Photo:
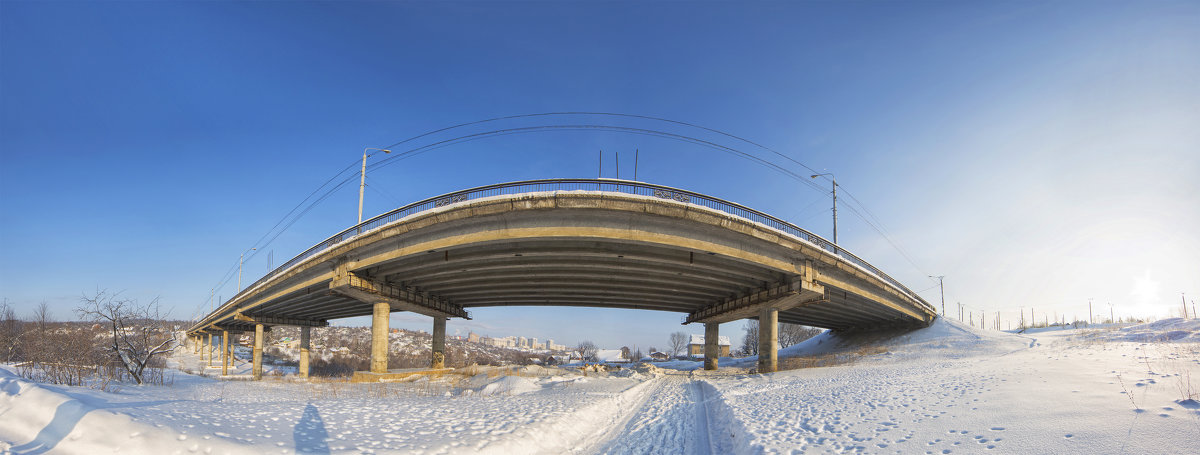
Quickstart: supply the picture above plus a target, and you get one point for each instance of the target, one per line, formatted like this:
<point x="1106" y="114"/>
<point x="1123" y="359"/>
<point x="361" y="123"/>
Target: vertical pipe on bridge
<point x="438" y="359"/>
<point x="258" y="348"/>
<point x="712" y="349"/>
<point x="304" y="341"/>
<point x="224" y="353"/>
<point x="379" y="337"/>
<point x="768" y="340"/>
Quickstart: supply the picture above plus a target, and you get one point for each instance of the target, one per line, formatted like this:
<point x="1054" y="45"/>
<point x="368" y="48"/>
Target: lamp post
<point x="943" y="291"/>
<point x="241" y="259"/>
<point x="834" y="180"/>
<point x="362" y="183"/>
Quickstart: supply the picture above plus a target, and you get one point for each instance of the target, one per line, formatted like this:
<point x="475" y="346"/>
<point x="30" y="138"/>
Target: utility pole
<point x="1089" y="311"/>
<point x="942" y="289"/>
<point x="1184" y="299"/>
<point x="1112" y="319"/>
<point x="362" y="183"/>
<point x="834" y="180"/>
<point x="635" y="162"/>
<point x="242" y="258"/>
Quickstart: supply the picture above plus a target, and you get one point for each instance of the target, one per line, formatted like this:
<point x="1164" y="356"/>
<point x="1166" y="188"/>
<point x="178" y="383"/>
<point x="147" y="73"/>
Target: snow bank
<point x="36" y="419"/>
<point x="509" y="385"/>
<point x="1176" y="330"/>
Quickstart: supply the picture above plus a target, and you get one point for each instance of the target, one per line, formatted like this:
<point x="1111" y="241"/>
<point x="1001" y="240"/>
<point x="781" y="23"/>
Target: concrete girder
<point x="280" y="320"/>
<point x="598" y="286"/>
<point x="515" y="264"/>
<point x="889" y="297"/>
<point x="781" y="297"/>
<point x="535" y="290"/>
<point x="587" y="301"/>
<point x="566" y="274"/>
<point x="650" y="256"/>
<point x="351" y="285"/>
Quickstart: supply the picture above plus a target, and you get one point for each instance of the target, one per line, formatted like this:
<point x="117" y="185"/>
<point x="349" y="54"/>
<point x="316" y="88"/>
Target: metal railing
<point x="601" y="185"/>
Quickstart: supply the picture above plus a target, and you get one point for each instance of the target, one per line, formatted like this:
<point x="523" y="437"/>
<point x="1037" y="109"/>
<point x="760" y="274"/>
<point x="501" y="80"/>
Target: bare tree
<point x="138" y="332"/>
<point x="10" y="332"/>
<point x="790" y="334"/>
<point x="678" y="342"/>
<point x="587" y="350"/>
<point x="41" y="316"/>
<point x="626" y="353"/>
<point x="750" y="340"/>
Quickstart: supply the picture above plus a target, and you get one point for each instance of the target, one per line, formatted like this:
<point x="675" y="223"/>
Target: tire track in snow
<point x="678" y="417"/>
<point x="703" y="420"/>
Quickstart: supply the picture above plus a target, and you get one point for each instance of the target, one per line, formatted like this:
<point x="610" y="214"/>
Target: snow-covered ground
<point x="944" y="389"/>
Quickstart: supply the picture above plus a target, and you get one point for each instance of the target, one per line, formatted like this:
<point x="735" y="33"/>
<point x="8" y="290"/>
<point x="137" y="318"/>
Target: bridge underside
<point x="574" y="249"/>
<point x="577" y="272"/>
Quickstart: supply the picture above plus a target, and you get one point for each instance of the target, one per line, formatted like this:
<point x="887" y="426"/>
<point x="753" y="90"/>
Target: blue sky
<point x="1038" y="155"/>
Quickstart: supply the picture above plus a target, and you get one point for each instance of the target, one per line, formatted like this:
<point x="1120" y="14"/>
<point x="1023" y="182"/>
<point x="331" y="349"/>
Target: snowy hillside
<point x="945" y="389"/>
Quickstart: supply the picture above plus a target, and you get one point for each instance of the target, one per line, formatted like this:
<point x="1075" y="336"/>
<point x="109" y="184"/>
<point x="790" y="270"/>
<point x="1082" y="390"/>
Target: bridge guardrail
<point x="602" y="185"/>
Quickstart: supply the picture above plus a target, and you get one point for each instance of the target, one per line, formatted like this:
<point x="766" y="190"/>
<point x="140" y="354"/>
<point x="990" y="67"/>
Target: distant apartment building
<point x="696" y="346"/>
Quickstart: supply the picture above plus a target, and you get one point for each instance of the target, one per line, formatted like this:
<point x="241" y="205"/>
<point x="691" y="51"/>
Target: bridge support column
<point x="209" y="350"/>
<point x="768" y="340"/>
<point x="196" y="344"/>
<point x="304" y="337"/>
<point x="439" y="344"/>
<point x="224" y="353"/>
<point x="379" y="337"/>
<point x="256" y="369"/>
<point x="712" y="349"/>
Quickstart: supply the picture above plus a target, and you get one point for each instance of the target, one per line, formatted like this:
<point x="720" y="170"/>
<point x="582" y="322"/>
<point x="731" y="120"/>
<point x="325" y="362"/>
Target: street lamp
<point x="834" y="179"/>
<point x="241" y="259"/>
<point x="362" y="184"/>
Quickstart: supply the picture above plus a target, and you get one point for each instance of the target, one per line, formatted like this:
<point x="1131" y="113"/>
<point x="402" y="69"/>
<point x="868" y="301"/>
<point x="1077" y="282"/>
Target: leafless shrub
<point x="139" y="335"/>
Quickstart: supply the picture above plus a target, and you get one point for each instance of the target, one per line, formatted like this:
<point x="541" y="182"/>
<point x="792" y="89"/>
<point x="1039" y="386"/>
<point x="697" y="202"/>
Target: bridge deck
<point x="667" y="250"/>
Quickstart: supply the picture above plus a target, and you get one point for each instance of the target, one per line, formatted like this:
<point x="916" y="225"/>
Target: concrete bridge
<point x="570" y="242"/>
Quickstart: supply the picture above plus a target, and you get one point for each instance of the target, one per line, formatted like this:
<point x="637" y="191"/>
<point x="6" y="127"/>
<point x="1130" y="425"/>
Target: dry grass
<point x="828" y="360"/>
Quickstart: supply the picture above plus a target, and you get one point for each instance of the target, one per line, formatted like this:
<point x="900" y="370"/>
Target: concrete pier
<point x="711" y="349"/>
<point x="439" y="344"/>
<point x="224" y="353"/>
<point x="208" y="352"/>
<point x="304" y="344"/>
<point x="768" y="340"/>
<point x="258" y="349"/>
<point x="379" y="337"/>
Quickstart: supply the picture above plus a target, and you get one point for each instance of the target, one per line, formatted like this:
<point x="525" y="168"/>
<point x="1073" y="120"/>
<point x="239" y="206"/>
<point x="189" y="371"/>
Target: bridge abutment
<point x="438" y="360"/>
<point x="304" y="344"/>
<point x="712" y="348"/>
<point x="256" y="369"/>
<point x="379" y="337"/>
<point x="768" y="340"/>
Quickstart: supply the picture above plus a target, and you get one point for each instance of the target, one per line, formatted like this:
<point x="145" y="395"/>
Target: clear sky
<point x="1036" y="154"/>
